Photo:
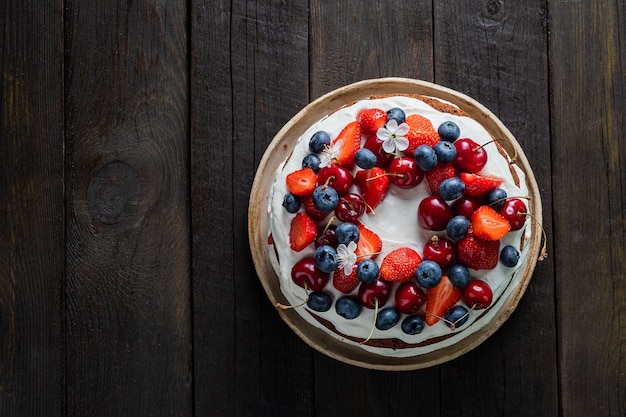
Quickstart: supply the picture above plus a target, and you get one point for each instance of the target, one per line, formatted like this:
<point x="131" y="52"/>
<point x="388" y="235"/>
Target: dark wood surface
<point x="130" y="132"/>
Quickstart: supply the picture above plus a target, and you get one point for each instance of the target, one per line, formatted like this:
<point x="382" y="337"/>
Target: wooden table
<point x="130" y="132"/>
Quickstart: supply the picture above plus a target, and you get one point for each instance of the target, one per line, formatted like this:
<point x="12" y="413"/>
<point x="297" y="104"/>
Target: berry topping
<point x="325" y="198"/>
<point x="476" y="185"/>
<point x="319" y="141"/>
<point x="365" y="158"/>
<point x="347" y="232"/>
<point x="457" y="227"/>
<point x="367" y="271"/>
<point x="409" y="297"/>
<point x="400" y="264"/>
<point x="456" y="317"/>
<point x="445" y="151"/>
<point x="311" y="161"/>
<point x="348" y="308"/>
<point x="369" y="244"/>
<point x="336" y="176"/>
<point x="405" y="173"/>
<point x="373" y="185"/>
<point x="413" y="325"/>
<point x="440" y="250"/>
<point x="375" y="293"/>
<point x="302" y="233"/>
<point x="451" y="188"/>
<point x="350" y="208"/>
<point x="302" y="182"/>
<point x="370" y="120"/>
<point x="387" y="318"/>
<point x="495" y="198"/>
<point x="425" y="157"/>
<point x="375" y="144"/>
<point x="326" y="258"/>
<point x="478" y="253"/>
<point x="515" y="211"/>
<point x="291" y="203"/>
<point x="396" y="114"/>
<point x="478" y="294"/>
<point x="305" y="274"/>
<point x="439" y="174"/>
<point x="509" y="256"/>
<point x="465" y="206"/>
<point x="428" y="274"/>
<point x="470" y="157"/>
<point x="319" y="301"/>
<point x="440" y="299"/>
<point x="345" y="283"/>
<point x="488" y="224"/>
<point x="350" y="138"/>
<point x="459" y="275"/>
<point x="433" y="213"/>
<point x="449" y="131"/>
<point x="421" y="132"/>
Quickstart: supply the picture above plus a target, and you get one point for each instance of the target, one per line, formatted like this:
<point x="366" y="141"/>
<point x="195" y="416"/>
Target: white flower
<point x="392" y="136"/>
<point x="329" y="153"/>
<point x="346" y="257"/>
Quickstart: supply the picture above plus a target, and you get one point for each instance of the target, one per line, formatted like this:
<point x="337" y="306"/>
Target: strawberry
<point x="302" y="182"/>
<point x="351" y="142"/>
<point x="477" y="253"/>
<point x="371" y="120"/>
<point x="302" y="233"/>
<point x="400" y="264"/>
<point x="345" y="283"/>
<point x="437" y="175"/>
<point x="369" y="243"/>
<point x="373" y="184"/>
<point x="270" y="239"/>
<point x="488" y="224"/>
<point x="421" y="132"/>
<point x="311" y="210"/>
<point x="476" y="185"/>
<point x="440" y="299"/>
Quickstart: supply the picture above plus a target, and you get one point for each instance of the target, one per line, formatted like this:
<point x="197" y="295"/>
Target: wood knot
<point x="494" y="10"/>
<point x="113" y="192"/>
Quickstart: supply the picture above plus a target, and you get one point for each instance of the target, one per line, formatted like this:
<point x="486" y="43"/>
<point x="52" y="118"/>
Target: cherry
<point x="376" y="292"/>
<point x="409" y="297"/>
<point x="465" y="206"/>
<point x="350" y="208"/>
<point x="336" y="176"/>
<point x="305" y="274"/>
<point x="433" y="213"/>
<point x="515" y="211"/>
<point x="470" y="157"/>
<point x="440" y="250"/>
<point x="326" y="237"/>
<point x="405" y="173"/>
<point x="478" y="294"/>
<point x="374" y="144"/>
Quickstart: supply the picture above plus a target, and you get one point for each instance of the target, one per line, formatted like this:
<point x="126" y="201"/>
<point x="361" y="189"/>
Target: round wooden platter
<point x="280" y="148"/>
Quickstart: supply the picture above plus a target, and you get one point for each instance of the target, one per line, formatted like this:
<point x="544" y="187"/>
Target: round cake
<point x="394" y="223"/>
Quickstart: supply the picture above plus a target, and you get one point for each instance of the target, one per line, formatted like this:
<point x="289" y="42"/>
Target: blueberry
<point x="451" y="188"/>
<point x="325" y="258"/>
<point x="456" y="316"/>
<point x="291" y="203"/>
<point x="457" y="227"/>
<point x="459" y="275"/>
<point x="318" y="141"/>
<point x="367" y="271"/>
<point x="413" y="325"/>
<point x="387" y="318"/>
<point x="449" y="131"/>
<point x="348" y="308"/>
<point x="325" y="198"/>
<point x="347" y="232"/>
<point x="445" y="151"/>
<point x="396" y="114"/>
<point x="509" y="256"/>
<point x="428" y="274"/>
<point x="311" y="161"/>
<point x="365" y="159"/>
<point x="319" y="301"/>
<point x="497" y="194"/>
<point x="425" y="157"/>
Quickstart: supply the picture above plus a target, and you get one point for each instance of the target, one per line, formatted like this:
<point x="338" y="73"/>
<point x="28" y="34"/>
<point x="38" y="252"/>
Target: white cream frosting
<point x="396" y="224"/>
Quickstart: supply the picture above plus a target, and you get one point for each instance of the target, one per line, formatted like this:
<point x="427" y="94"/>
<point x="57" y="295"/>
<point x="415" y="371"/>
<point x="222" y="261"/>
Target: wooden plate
<point x="281" y="146"/>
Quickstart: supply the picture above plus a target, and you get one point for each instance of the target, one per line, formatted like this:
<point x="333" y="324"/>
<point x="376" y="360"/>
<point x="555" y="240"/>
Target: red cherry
<point x="470" y="157"/>
<point x="375" y="290"/>
<point x="336" y="176"/>
<point x="326" y="237"/>
<point x="433" y="213"/>
<point x="350" y="208"/>
<point x="409" y="297"/>
<point x="465" y="206"/>
<point x="515" y="211"/>
<point x="405" y="173"/>
<point x="440" y="250"/>
<point x="376" y="145"/>
<point x="478" y="294"/>
<point x="305" y="271"/>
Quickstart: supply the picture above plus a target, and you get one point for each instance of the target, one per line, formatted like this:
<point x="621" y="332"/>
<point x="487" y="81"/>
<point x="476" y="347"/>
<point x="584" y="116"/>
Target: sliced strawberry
<point x="437" y="175"/>
<point x="477" y="253"/>
<point x="371" y="120"/>
<point x="440" y="299"/>
<point x="311" y="210"/>
<point x="476" y="185"/>
<point x="373" y="184"/>
<point x="488" y="224"/>
<point x="270" y="239"/>
<point x="345" y="283"/>
<point x="301" y="182"/>
<point x="351" y="142"/>
<point x="421" y="132"/>
<point x="400" y="264"/>
<point x="302" y="233"/>
<point x="369" y="244"/>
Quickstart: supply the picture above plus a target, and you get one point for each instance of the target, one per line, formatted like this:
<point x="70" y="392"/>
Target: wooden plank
<point x="31" y="209"/>
<point x="496" y="52"/>
<point x="128" y="280"/>
<point x="589" y="92"/>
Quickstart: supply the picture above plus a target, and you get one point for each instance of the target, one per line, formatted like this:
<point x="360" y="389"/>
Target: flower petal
<point x="383" y="133"/>
<point x="403" y="129"/>
<point x="392" y="125"/>
<point x="389" y="146"/>
<point x="402" y="143"/>
<point x="347" y="269"/>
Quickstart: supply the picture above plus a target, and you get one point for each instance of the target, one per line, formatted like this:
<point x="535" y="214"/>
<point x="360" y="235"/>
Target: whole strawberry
<point x="477" y="253"/>
<point x="345" y="283"/>
<point x="400" y="264"/>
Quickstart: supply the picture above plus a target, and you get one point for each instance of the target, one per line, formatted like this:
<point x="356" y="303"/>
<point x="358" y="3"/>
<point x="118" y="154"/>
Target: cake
<point x="399" y="225"/>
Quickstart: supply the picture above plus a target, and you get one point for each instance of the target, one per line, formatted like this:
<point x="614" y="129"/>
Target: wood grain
<point x="31" y="210"/>
<point x="128" y="286"/>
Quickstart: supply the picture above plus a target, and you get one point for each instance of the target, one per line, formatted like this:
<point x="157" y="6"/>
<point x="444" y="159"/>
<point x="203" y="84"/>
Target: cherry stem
<point x="386" y="174"/>
<point x="512" y="161"/>
<point x="328" y="180"/>
<point x="435" y="240"/>
<point x="368" y="254"/>
<point x="543" y="253"/>
<point x="330" y="221"/>
<point x="287" y="307"/>
<point x="527" y="197"/>
<point x="373" y="324"/>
